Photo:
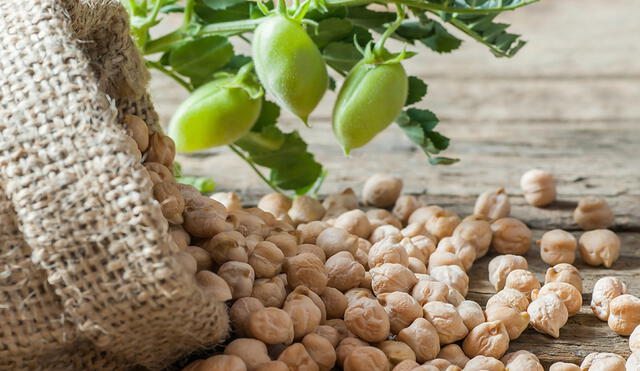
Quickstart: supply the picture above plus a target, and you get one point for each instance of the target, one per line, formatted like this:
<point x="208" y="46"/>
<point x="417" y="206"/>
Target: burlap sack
<point x="88" y="275"/>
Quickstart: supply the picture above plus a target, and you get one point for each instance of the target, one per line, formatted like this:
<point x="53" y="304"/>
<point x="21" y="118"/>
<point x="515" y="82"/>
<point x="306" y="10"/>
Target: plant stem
<point x="422" y="4"/>
<point x="188" y="11"/>
<point x="253" y="166"/>
<point x="158" y="66"/>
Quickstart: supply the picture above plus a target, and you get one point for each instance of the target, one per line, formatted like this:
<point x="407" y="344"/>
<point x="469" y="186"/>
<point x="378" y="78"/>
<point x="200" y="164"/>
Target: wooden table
<point x="568" y="103"/>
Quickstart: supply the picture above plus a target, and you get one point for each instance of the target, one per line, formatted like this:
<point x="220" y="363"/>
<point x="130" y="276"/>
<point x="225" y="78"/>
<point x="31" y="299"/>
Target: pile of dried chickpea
<point x="319" y="286"/>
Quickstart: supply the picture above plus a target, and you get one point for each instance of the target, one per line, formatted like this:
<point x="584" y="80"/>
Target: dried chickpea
<point x="422" y="337"/>
<point x="634" y="340"/>
<point x="251" y="241"/>
<point x="329" y="333"/>
<point x="366" y="358"/>
<point x="266" y="259"/>
<point x="510" y="298"/>
<point x="401" y="308"/>
<point x="187" y="262"/>
<point x="439" y="364"/>
<point x="309" y="232"/>
<point x="514" y="321"/>
<point x="271" y="326"/>
<point x="396" y="351"/>
<point x="624" y="314"/>
<point x="447" y="321"/>
<point x="347" y="346"/>
<point x="381" y="190"/>
<point x="137" y="129"/>
<point x="502" y="265"/>
<point x="214" y="285"/>
<point x="179" y="236"/>
<point x="390" y="277"/>
<point x="633" y="362"/>
<point x="247" y="223"/>
<point x="227" y="246"/>
<point x="384" y="231"/>
<point x="454" y="354"/>
<point x="493" y="204"/>
<point x="344" y="272"/>
<point x="453" y="276"/>
<point x="205" y="220"/>
<point x="404" y="207"/>
<point x="171" y="201"/>
<point x="285" y="242"/>
<point x="482" y="363"/>
<point x="307" y="248"/>
<point x="320" y="350"/>
<point x="240" y="312"/>
<point x="160" y="173"/>
<point x="416" y="229"/>
<point x="564" y="273"/>
<point x="603" y="362"/>
<point x="558" y="246"/>
<point x="354" y="222"/>
<point x="367" y="319"/>
<point x="340" y="326"/>
<point x="297" y="358"/>
<point x="441" y="258"/>
<point x="345" y="200"/>
<point x="563" y="366"/>
<point x="464" y="250"/>
<point x="367" y="281"/>
<point x="306" y="270"/>
<point x="230" y="200"/>
<point x="423" y="214"/>
<point x="253" y="352"/>
<point x="239" y="276"/>
<point x="489" y="339"/>
<point x="389" y="250"/>
<point x="522" y="360"/>
<point x="569" y="295"/>
<point x="523" y="281"/>
<point x="548" y="314"/>
<point x="304" y="314"/>
<point x="218" y="363"/>
<point x="270" y="291"/>
<point x="315" y="298"/>
<point x="593" y="213"/>
<point x="476" y="232"/>
<point x="599" y="247"/>
<point x="471" y="313"/>
<point x="202" y="258"/>
<point x="419" y="247"/>
<point x="417" y="266"/>
<point x="273" y="366"/>
<point x="305" y="209"/>
<point x="605" y="290"/>
<point x="380" y="217"/>
<point x="454" y="297"/>
<point x="406" y="365"/>
<point x="428" y="290"/>
<point x="538" y="187"/>
<point x="335" y="302"/>
<point x="161" y="149"/>
<point x="442" y="223"/>
<point x="358" y="293"/>
<point x="275" y="203"/>
<point x="333" y="240"/>
<point x="510" y="236"/>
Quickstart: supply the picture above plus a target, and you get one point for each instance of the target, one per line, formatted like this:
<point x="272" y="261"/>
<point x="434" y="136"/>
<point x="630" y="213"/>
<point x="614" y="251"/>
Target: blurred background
<point x="568" y="102"/>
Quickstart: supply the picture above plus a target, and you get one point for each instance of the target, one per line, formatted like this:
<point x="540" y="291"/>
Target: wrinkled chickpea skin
<point x="401" y="308"/>
<point x="593" y="213"/>
<point x="442" y="223"/>
<point x="599" y="247"/>
<point x="564" y="273"/>
<point x="569" y="295"/>
<point x="366" y="358"/>
<point x="510" y="236"/>
<point x="407" y="365"/>
<point x="347" y="346"/>
<point x="422" y="337"/>
<point x="381" y="190"/>
<point x="477" y="232"/>
<point x="333" y="240"/>
<point x="454" y="354"/>
<point x="471" y="313"/>
<point x="404" y="207"/>
<point x="271" y="326"/>
<point x="482" y="363"/>
<point x="548" y="314"/>
<point x="305" y="209"/>
<point x="396" y="351"/>
<point x="368" y="320"/>
<point x="493" y="204"/>
<point x="447" y="321"/>
<point x="523" y="281"/>
<point x="624" y="314"/>
<point x="501" y="266"/>
<point x="354" y="222"/>
<point x="390" y="277"/>
<point x="320" y="350"/>
<point x="489" y="339"/>
<point x="509" y="298"/>
<point x="603" y="362"/>
<point x="253" y="352"/>
<point x="389" y="250"/>
<point x="218" y="363"/>
<point x="522" y="360"/>
<point x="605" y="290"/>
<point x="297" y="358"/>
<point x="453" y="276"/>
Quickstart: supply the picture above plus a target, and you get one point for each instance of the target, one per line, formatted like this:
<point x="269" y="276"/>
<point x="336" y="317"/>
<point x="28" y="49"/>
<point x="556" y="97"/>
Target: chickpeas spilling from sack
<point x="315" y="286"/>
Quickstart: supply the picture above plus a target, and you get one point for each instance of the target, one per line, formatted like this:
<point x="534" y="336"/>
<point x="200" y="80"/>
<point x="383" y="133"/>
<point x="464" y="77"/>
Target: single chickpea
<point x="343" y="200"/>
<point x="273" y="366"/>
<point x="297" y="358"/>
<point x="159" y="173"/>
<point x="404" y="207"/>
<point x="366" y="358"/>
<point x="603" y="362"/>
<point x="137" y="129"/>
<point x="271" y="326"/>
<point x="381" y="190"/>
<point x="599" y="247"/>
<point x="464" y="250"/>
<point x="362" y="253"/>
<point x="417" y="266"/>
<point x="447" y="321"/>
<point x="341" y="328"/>
<point x="202" y="258"/>
<point x="358" y="293"/>
<point x="329" y="333"/>
<point x="161" y="149"/>
<point x="423" y="214"/>
<point x="538" y="187"/>
<point x="442" y="223"/>
<point x="489" y="339"/>
<point x="634" y="340"/>
<point x="442" y="258"/>
<point x="454" y="354"/>
<point x="240" y="312"/>
<point x="266" y="259"/>
<point x="422" y="337"/>
<point x="187" y="262"/>
<point x="522" y="360"/>
<point x="206" y="221"/>
<point x="476" y="231"/>
<point x="275" y="203"/>
<point x="307" y="248"/>
<point x="523" y="281"/>
<point x="514" y="321"/>
<point x="563" y="366"/>
<point x="320" y="350"/>
<point x="179" y="236"/>
<point x="548" y="314"/>
<point x="633" y="362"/>
<point x="335" y="302"/>
<point x="419" y="247"/>
<point x="214" y="285"/>
<point x="593" y="213"/>
<point x="306" y="270"/>
<point x="396" y="351"/>
<point x="428" y="290"/>
<point x="388" y="250"/>
<point x="453" y="276"/>
<point x="304" y="314"/>
<point x="253" y="352"/>
<point x="227" y="246"/>
<point x="380" y="217"/>
<point x="230" y="200"/>
<point x="384" y="231"/>
<point x="564" y="273"/>
<point x="472" y="315"/>
<point x="509" y="298"/>
<point x="624" y="314"/>
<point x="401" y="308"/>
<point x="284" y="241"/>
<point x="510" y="236"/>
<point x="406" y="365"/>
<point x="605" y="290"/>
<point x="368" y="320"/>
<point x="493" y="204"/>
<point x="309" y="232"/>
<point x="247" y="223"/>
<point x="502" y="265"/>
<point x="558" y="246"/>
<point x="333" y="240"/>
<point x="305" y="209"/>
<point x="315" y="298"/>
<point x="219" y="362"/>
<point x="482" y="363"/>
<point x="570" y="296"/>
<point x="390" y="277"/>
<point x="346" y="347"/>
<point x="171" y="201"/>
<point x="344" y="272"/>
<point x="270" y="291"/>
<point x="239" y="276"/>
<point x="354" y="222"/>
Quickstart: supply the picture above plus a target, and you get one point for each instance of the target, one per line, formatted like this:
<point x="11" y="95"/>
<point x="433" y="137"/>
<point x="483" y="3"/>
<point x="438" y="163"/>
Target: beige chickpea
<point x="379" y="217"/>
<point x="307" y="248"/>
<point x="251" y="241"/>
<point x="253" y="352"/>
<point x="593" y="213"/>
<point x="422" y="337"/>
<point x="443" y="258"/>
<point x="428" y="290"/>
<point x="605" y="290"/>
<point x="396" y="351"/>
<point x="442" y="223"/>
<point x="489" y="339"/>
<point x="161" y="149"/>
<point x="522" y="360"/>
<point x="634" y="340"/>
<point x="510" y="236"/>
<point x="454" y="297"/>
<point x="381" y="190"/>
<point x="406" y="365"/>
<point x="358" y="293"/>
<point x="417" y="266"/>
<point x="367" y="281"/>
<point x="476" y="232"/>
<point x="482" y="363"/>
<point x="603" y="362"/>
<point x="297" y="358"/>
<point x="159" y="173"/>
<point x="315" y="298"/>
<point x="202" y="258"/>
<point x="333" y="240"/>
<point x="404" y="207"/>
<point x="354" y="222"/>
<point x="384" y="231"/>
<point x="509" y="298"/>
<point x="438" y="364"/>
<point x="344" y="272"/>
<point x="335" y="302"/>
<point x="275" y="203"/>
<point x="309" y="232"/>
<point x="340" y="326"/>
<point x="599" y="247"/>
<point x="304" y="314"/>
<point x="368" y="320"/>
<point x="538" y="187"/>
<point x="548" y="314"/>
<point x="564" y="273"/>
<point x="390" y="277"/>
<point x="523" y="281"/>
<point x="219" y="362"/>
<point x="389" y="250"/>
<point x="633" y="362"/>
<point x="240" y="312"/>
<point x="453" y="276"/>
<point x="366" y="359"/>
<point x="401" y="308"/>
<point x="563" y="366"/>
<point x="306" y="270"/>
<point x="417" y="229"/>
<point x="454" y="354"/>
<point x="266" y="259"/>
<point x="329" y="333"/>
<point x="447" y="321"/>
<point x="514" y="321"/>
<point x="624" y="314"/>
<point x="227" y="246"/>
<point x="464" y="250"/>
<point x="493" y="204"/>
<point x="137" y="129"/>
<point x="286" y="242"/>
<point x="246" y="223"/>
<point x="419" y="247"/>
<point x="214" y="285"/>
<point x="305" y="209"/>
<point x="471" y="313"/>
<point x="179" y="236"/>
<point x="558" y="246"/>
<point x="347" y="346"/>
<point x="320" y="350"/>
<point x="570" y="296"/>
<point x="423" y="214"/>
<point x="230" y="200"/>
<point x="271" y="326"/>
<point x="239" y="276"/>
<point x="339" y="202"/>
<point x="187" y="262"/>
<point x="362" y="252"/>
<point x="270" y="291"/>
<point x="502" y="265"/>
<point x="171" y="201"/>
<point x="273" y="366"/>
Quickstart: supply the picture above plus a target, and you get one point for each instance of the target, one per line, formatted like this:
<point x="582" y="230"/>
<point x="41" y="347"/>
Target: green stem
<point x="158" y="66"/>
<point x="253" y="166"/>
<point x="379" y="48"/>
<point x="188" y="11"/>
<point x="422" y="4"/>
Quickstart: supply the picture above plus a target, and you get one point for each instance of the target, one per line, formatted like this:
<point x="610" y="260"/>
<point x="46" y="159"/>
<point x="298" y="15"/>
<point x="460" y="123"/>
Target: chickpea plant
<point x="294" y="45"/>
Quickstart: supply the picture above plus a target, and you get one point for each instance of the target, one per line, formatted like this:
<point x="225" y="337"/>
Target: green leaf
<point x="418" y="125"/>
<point x="236" y="62"/>
<point x="172" y="8"/>
<point x="300" y="174"/>
<point x="203" y="184"/>
<point x="484" y="30"/>
<point x="417" y="90"/>
<point x="332" y="83"/>
<point x="429" y="33"/>
<point x="242" y="10"/>
<point x="268" y="116"/>
<point x="331" y="29"/>
<point x="443" y="160"/>
<point x="472" y="6"/>
<point x="221" y="4"/>
<point x="369" y="19"/>
<point x="342" y="56"/>
<point x="201" y="58"/>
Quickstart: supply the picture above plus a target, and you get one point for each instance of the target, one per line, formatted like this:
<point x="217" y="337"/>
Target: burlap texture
<point x="88" y="274"/>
